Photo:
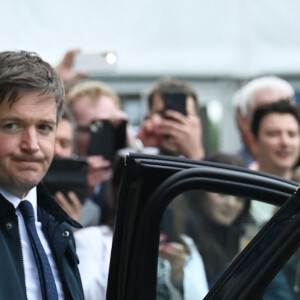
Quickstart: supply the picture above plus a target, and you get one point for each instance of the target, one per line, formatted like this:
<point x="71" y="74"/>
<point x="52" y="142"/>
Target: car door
<point x="149" y="185"/>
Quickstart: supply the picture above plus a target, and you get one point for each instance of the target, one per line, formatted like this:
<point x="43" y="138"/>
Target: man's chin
<point x="281" y="167"/>
<point x="20" y="189"/>
<point x="25" y="185"/>
<point x="286" y="163"/>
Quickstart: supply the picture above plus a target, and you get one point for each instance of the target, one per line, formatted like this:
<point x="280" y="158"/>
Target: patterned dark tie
<point x="48" y="287"/>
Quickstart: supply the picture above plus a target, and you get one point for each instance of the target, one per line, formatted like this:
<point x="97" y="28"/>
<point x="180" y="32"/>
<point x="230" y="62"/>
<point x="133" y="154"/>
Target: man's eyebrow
<point x="48" y="121"/>
<point x="10" y="119"/>
<point x="16" y="119"/>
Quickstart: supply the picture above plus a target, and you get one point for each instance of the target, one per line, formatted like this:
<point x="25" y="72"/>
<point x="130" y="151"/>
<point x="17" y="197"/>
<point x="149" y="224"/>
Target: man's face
<point x="166" y="143"/>
<point x="85" y="110"/>
<point x="64" y="139"/>
<point x="27" y="135"/>
<point x="261" y="98"/>
<point x="277" y="144"/>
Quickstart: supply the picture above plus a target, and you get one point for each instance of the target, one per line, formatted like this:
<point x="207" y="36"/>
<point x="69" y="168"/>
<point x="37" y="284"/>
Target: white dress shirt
<point x="31" y="273"/>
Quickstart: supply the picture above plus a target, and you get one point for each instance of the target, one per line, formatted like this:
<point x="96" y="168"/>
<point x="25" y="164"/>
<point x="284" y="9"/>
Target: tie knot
<point x="26" y="209"/>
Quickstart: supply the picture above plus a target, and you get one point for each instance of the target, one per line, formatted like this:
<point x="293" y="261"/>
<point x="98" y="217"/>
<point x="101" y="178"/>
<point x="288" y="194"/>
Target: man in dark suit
<point x="37" y="252"/>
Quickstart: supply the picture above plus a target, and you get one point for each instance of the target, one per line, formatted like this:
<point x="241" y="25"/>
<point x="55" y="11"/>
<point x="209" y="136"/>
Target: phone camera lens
<point x="95" y="126"/>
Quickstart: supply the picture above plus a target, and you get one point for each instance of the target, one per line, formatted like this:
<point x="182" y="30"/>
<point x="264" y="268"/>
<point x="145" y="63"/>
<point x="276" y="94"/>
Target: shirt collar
<point x="15" y="201"/>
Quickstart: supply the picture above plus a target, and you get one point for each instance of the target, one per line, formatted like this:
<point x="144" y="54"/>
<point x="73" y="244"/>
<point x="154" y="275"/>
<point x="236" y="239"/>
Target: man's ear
<point x="242" y="122"/>
<point x="252" y="144"/>
<point x="244" y="128"/>
<point x="248" y="137"/>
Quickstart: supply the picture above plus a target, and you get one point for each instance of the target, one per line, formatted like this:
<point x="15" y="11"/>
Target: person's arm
<point x="64" y="68"/>
<point x="195" y="284"/>
<point x="93" y="246"/>
<point x="176" y="254"/>
<point x="187" y="269"/>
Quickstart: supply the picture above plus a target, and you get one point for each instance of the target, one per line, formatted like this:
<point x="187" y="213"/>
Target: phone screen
<point x="92" y="63"/>
<point x="67" y="174"/>
<point x="175" y="100"/>
<point x="106" y="139"/>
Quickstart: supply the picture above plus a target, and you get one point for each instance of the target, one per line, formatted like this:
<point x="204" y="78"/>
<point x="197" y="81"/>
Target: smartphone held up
<point x="106" y="139"/>
<point x="68" y="174"/>
<point x="95" y="63"/>
<point x="175" y="99"/>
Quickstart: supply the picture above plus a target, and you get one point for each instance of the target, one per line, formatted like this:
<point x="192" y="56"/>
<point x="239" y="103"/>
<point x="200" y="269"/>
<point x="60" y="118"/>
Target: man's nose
<point x="285" y="139"/>
<point x="30" y="142"/>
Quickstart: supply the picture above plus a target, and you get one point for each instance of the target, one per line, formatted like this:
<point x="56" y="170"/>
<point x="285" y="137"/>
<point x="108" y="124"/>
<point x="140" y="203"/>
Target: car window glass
<point x="261" y="211"/>
<point x="201" y="234"/>
<point x="286" y="284"/>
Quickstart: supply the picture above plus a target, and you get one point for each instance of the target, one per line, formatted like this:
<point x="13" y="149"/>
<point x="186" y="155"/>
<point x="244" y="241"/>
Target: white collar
<point x="15" y="201"/>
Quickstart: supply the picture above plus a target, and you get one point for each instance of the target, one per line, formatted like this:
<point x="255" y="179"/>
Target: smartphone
<point x="68" y="174"/>
<point x="91" y="63"/>
<point x="106" y="139"/>
<point x="175" y="99"/>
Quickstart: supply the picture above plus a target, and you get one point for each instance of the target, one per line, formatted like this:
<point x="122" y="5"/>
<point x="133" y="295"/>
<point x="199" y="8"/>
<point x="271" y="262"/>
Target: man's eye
<point x="10" y="126"/>
<point x="46" y="128"/>
<point x="272" y="133"/>
<point x="293" y="134"/>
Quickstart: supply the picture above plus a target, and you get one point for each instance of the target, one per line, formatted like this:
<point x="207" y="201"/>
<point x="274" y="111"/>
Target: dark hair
<point x="217" y="243"/>
<point x="168" y="84"/>
<point x="281" y="107"/>
<point x="23" y="71"/>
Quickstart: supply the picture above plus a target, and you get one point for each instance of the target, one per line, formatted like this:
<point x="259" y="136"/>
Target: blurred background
<point x="214" y="45"/>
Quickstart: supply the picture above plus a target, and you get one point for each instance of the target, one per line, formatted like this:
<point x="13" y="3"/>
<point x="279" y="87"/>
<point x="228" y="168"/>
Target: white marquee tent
<point x="194" y="37"/>
<point x="227" y="41"/>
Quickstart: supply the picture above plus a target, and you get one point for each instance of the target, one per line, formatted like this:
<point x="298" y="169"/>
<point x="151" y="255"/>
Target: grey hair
<point x="244" y="97"/>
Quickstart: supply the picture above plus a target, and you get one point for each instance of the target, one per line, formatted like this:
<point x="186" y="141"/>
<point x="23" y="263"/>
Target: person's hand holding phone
<point x="70" y="204"/>
<point x="184" y="132"/>
<point x="109" y="132"/>
<point x="176" y="254"/>
<point x="99" y="170"/>
<point x="149" y="132"/>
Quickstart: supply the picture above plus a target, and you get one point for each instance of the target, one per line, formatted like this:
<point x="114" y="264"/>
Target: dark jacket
<point x="56" y="225"/>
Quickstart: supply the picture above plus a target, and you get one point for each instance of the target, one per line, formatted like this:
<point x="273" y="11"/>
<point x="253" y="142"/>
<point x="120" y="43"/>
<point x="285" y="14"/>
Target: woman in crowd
<point x="217" y="223"/>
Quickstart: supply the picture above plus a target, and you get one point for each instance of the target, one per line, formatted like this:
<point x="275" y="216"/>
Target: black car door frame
<point x="149" y="184"/>
<point x="256" y="266"/>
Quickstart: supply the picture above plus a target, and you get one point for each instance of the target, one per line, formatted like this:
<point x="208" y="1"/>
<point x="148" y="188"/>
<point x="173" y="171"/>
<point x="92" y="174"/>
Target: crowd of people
<point x="201" y="232"/>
